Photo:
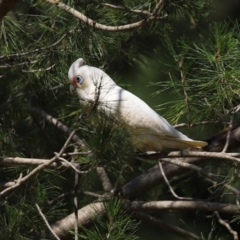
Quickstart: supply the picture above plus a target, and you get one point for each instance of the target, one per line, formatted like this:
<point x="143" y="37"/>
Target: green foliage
<point x="196" y="45"/>
<point x="205" y="75"/>
<point x="118" y="224"/>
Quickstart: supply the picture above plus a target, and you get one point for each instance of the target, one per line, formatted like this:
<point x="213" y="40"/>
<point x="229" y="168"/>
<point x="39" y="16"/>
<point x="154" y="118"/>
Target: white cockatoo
<point x="149" y="131"/>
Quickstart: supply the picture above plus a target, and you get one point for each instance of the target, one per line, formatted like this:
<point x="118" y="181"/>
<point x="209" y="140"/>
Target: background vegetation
<point x="181" y="57"/>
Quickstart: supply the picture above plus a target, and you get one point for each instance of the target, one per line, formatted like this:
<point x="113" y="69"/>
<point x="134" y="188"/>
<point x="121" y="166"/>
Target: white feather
<point x="150" y="131"/>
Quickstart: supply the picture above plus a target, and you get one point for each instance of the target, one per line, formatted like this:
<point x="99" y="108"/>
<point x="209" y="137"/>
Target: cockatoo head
<point x="87" y="78"/>
<point x="78" y="75"/>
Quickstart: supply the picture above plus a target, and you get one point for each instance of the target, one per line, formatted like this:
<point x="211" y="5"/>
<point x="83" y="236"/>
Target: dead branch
<point x="85" y="215"/>
<point x="22" y="180"/>
<point x="168" y="184"/>
<point x="106" y="183"/>
<point x="184" y="205"/>
<point x="228" y="134"/>
<point x="12" y="161"/>
<point x="227" y="226"/>
<point x="100" y="26"/>
<point x="46" y="221"/>
<point x="210" y="176"/>
<point x="194" y="124"/>
<point x="199" y="154"/>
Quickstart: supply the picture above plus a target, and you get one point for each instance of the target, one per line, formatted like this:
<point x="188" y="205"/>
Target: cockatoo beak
<point x="72" y="88"/>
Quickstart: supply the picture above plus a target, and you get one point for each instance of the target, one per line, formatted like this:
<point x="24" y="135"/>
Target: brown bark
<point x="6" y="6"/>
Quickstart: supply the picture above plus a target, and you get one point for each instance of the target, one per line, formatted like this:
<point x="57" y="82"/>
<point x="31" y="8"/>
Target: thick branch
<point x="85" y="215"/>
<point x="10" y="161"/>
<point x="106" y="183"/>
<point x="184" y="205"/>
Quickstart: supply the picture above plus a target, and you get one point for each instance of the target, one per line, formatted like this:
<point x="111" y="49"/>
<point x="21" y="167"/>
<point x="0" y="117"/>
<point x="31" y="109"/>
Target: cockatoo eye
<point x="80" y="80"/>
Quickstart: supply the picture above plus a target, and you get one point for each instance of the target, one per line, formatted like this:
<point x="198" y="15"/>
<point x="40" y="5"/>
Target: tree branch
<point x="100" y="26"/>
<point x="106" y="183"/>
<point x="21" y="181"/>
<point x="227" y="226"/>
<point x="184" y="205"/>
<point x="85" y="215"/>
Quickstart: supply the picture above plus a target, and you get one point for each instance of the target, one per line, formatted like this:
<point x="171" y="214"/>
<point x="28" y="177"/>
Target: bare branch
<point x="46" y="221"/>
<point x="167" y="182"/>
<point x="37" y="169"/>
<point x="228" y="135"/>
<point x="106" y="183"/>
<point x="213" y="155"/>
<point x="205" y="173"/>
<point x="70" y="164"/>
<point x="227" y="226"/>
<point x="10" y="161"/>
<point x="194" y="124"/>
<point x="184" y="205"/>
<point x="100" y="26"/>
<point x="85" y="215"/>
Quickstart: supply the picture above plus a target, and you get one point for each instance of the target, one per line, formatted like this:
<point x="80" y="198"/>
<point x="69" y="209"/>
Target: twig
<point x="100" y="26"/>
<point x="183" y="80"/>
<point x="37" y="169"/>
<point x="152" y="177"/>
<point x="227" y="226"/>
<point x="70" y="164"/>
<point x="204" y="173"/>
<point x="158" y="8"/>
<point x="228" y="135"/>
<point x="167" y="182"/>
<point x="194" y="124"/>
<point x="46" y="221"/>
